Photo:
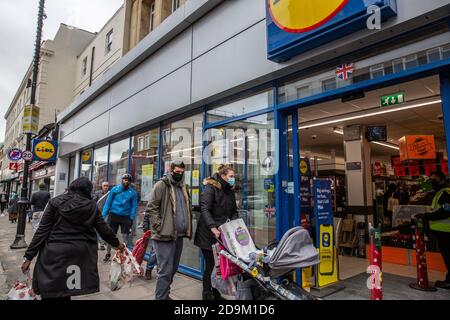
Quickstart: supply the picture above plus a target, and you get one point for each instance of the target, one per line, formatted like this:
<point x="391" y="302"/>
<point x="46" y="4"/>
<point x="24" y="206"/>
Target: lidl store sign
<point x="296" y="26"/>
<point x="45" y="150"/>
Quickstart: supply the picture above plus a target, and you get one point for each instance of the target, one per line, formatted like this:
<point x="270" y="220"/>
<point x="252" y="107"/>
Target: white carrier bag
<point x="235" y="236"/>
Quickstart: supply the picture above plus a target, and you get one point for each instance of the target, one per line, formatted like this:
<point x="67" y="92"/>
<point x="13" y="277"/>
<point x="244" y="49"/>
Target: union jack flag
<point x="345" y="71"/>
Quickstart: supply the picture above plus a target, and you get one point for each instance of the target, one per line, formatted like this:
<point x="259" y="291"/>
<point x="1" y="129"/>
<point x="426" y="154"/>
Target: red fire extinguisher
<point x="421" y="261"/>
<point x="376" y="292"/>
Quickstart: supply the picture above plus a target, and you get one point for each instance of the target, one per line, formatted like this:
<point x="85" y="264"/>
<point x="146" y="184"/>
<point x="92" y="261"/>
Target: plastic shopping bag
<point x="224" y="286"/>
<point x="123" y="267"/>
<point x="21" y="289"/>
<point x="36" y="220"/>
<point x="235" y="236"/>
<point x="141" y="247"/>
<point x="227" y="268"/>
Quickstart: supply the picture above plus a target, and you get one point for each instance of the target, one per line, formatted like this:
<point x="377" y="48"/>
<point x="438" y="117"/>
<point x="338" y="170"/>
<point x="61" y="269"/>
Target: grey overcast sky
<point x="18" y="21"/>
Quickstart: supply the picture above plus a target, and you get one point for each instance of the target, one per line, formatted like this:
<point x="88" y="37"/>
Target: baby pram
<point x="271" y="268"/>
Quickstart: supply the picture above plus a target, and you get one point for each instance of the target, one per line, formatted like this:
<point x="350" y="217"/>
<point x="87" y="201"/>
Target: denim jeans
<point x="151" y="263"/>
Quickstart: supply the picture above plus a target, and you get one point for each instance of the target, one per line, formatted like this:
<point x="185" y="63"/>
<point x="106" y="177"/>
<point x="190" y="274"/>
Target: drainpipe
<point x="92" y="66"/>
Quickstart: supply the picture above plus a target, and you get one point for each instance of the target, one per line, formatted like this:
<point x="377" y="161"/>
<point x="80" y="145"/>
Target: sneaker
<point x="107" y="257"/>
<point x="442" y="284"/>
<point x="148" y="275"/>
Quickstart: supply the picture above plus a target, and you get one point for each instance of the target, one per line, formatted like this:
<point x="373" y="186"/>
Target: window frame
<point x="140" y="145"/>
<point x="109" y="41"/>
<point x="84" y="66"/>
<point x="175" y="5"/>
<point x="152" y="16"/>
<point x="322" y="83"/>
<point x="377" y="68"/>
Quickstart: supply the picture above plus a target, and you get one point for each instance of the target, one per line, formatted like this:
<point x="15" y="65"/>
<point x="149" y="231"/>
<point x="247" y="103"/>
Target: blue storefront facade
<point x="257" y="117"/>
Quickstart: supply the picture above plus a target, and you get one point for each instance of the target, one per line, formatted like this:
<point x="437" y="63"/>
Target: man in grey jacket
<point x="170" y="214"/>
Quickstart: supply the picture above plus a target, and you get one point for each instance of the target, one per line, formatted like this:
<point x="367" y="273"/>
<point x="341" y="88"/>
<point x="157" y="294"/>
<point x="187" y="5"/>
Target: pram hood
<point x="295" y="250"/>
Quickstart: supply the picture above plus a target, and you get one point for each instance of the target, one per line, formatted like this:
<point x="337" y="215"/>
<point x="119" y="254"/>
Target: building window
<point x="411" y="61"/>
<point x="84" y="67"/>
<point x="144" y="169"/>
<point x="147" y="142"/>
<point x="152" y="16"/>
<point x="397" y="66"/>
<point x="446" y="51"/>
<point x="434" y="55"/>
<point x="140" y="144"/>
<point x="329" y="84"/>
<point x="118" y="161"/>
<point x="241" y="106"/>
<point x="109" y="41"/>
<point x="302" y="92"/>
<point x="100" y="167"/>
<point x="175" y="5"/>
<point x="377" y="71"/>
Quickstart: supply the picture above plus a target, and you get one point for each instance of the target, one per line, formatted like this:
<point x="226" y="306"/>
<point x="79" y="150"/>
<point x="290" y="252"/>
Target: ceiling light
<point x="387" y="145"/>
<point x="370" y="114"/>
<point x="338" y="131"/>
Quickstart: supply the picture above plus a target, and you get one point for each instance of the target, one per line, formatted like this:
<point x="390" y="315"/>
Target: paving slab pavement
<point x="139" y="289"/>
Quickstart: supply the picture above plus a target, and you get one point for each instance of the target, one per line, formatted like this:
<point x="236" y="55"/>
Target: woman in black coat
<point x="218" y="204"/>
<point x="66" y="245"/>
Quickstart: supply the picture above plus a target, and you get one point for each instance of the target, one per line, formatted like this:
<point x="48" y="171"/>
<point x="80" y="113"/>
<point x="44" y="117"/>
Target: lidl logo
<point x="44" y="150"/>
<point x="304" y="15"/>
<point x="297" y="26"/>
<point x="304" y="168"/>
<point x="326" y="240"/>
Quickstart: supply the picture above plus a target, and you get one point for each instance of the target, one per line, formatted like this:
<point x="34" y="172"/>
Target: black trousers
<point x="209" y="267"/>
<point x="443" y="240"/>
<point x="125" y="224"/>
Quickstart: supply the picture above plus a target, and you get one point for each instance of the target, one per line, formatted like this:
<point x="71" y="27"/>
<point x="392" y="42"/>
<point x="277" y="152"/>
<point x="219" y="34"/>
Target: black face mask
<point x="177" y="176"/>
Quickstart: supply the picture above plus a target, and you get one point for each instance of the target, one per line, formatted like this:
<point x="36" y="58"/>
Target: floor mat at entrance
<point x="394" y="288"/>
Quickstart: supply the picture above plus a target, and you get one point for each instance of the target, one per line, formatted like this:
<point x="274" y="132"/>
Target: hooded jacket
<point x="66" y="246"/>
<point x="218" y="205"/>
<point x="160" y="214"/>
<point x="121" y="202"/>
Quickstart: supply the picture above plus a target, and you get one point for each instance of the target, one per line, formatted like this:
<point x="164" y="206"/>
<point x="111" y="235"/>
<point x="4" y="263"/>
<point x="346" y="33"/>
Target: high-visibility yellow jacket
<point x="441" y="225"/>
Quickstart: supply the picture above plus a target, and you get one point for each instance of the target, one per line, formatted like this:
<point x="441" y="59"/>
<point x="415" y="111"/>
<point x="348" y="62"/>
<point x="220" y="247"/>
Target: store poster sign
<point x="305" y="186"/>
<point x="269" y="185"/>
<point x="327" y="268"/>
<point x="417" y="147"/>
<point x="195" y="178"/>
<point x="146" y="181"/>
<point x="195" y="197"/>
<point x="323" y="208"/>
<point x="294" y="26"/>
<point x="187" y="177"/>
<point x="45" y="150"/>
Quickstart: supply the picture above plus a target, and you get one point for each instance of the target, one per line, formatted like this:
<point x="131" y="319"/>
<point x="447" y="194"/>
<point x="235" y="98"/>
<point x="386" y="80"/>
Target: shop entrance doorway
<point x="376" y="149"/>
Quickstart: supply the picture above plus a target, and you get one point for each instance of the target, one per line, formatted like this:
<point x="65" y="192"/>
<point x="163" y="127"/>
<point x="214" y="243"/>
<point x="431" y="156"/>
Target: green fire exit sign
<point x="392" y="99"/>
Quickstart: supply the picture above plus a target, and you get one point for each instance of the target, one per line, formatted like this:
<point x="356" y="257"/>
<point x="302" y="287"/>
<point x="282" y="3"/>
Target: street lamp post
<point x="19" y="242"/>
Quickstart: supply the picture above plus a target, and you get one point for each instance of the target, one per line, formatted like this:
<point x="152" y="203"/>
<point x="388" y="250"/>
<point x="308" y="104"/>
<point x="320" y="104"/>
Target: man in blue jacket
<point x="120" y="206"/>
